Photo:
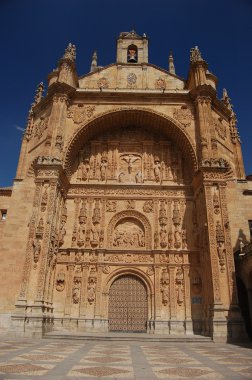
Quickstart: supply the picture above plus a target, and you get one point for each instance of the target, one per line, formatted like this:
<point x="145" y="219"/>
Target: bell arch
<point x="131" y="215"/>
<point x="139" y="117"/>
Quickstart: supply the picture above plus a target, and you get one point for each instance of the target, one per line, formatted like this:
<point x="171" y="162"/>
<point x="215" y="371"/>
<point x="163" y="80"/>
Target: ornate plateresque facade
<point x="119" y="218"/>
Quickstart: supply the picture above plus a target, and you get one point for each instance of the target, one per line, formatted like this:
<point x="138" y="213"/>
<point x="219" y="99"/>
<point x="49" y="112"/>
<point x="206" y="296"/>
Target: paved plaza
<point x="52" y="359"/>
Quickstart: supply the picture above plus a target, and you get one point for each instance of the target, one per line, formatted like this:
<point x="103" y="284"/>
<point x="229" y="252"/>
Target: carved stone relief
<point x="60" y="281"/>
<point x="220" y="128"/>
<point x="122" y="156"/>
<point x="129" y="234"/>
<point x="183" y="115"/>
<point x="164" y="286"/>
<point x="79" y="113"/>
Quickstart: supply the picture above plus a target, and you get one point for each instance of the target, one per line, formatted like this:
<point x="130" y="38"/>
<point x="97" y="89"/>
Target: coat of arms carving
<point x="80" y="114"/>
<point x="183" y="115"/>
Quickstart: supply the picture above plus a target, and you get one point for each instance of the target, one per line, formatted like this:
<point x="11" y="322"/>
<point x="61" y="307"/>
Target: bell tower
<point x="132" y="48"/>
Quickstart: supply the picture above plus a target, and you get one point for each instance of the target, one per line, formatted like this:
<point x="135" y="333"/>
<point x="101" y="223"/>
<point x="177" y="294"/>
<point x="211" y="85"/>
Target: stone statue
<point x="103" y="168"/>
<point x="36" y="250"/>
<point x="157" y="170"/>
<point x="138" y="177"/>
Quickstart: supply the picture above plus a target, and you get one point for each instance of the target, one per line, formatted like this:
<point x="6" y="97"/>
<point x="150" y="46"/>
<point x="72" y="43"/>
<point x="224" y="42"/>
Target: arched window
<point x="132" y="55"/>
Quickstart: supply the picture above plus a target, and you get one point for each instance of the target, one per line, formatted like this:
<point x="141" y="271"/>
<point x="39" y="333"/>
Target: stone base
<point x="80" y="325"/>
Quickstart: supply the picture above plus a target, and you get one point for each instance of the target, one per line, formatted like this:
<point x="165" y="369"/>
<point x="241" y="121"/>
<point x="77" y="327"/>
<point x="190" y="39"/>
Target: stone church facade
<point x="123" y="213"/>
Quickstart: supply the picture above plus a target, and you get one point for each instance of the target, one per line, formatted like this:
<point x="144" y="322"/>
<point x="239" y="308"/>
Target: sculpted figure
<point x="36" y="250"/>
<point x="184" y="239"/>
<point x="85" y="169"/>
<point x="170" y="239"/>
<point x="103" y="168"/>
<point x="157" y="171"/>
<point x="138" y="177"/>
<point x="91" y="292"/>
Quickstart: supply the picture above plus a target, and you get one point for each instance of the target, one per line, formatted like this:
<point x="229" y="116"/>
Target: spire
<point x="226" y="100"/>
<point x="93" y="66"/>
<point x="70" y="53"/>
<point x="195" y="55"/>
<point x="171" y="64"/>
<point x="39" y="93"/>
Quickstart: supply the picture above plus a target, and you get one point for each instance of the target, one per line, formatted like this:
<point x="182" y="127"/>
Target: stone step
<point x="124" y="337"/>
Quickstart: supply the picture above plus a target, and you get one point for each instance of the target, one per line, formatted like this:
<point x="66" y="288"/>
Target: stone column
<point x="187" y="294"/>
<point x="69" y="287"/>
<point x="83" y="301"/>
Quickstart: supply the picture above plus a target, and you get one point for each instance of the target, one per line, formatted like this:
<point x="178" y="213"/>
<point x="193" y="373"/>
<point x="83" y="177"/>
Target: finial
<point x="93" y="66"/>
<point x="171" y="63"/>
<point x="195" y="55"/>
<point x="226" y="100"/>
<point x="39" y="93"/>
<point x="70" y="52"/>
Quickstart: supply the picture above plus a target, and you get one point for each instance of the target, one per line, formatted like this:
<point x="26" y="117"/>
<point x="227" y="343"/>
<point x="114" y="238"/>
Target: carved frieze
<point x="129" y="258"/>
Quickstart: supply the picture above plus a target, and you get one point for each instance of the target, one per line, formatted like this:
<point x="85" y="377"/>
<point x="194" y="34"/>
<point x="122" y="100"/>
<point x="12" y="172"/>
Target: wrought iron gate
<point x="128" y="305"/>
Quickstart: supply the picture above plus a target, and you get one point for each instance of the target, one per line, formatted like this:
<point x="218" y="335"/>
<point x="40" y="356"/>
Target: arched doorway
<point x="128" y="308"/>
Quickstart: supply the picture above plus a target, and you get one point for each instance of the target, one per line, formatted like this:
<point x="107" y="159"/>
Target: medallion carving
<point x="103" y="82"/>
<point x="160" y="84"/>
<point x="183" y="115"/>
<point x="131" y="80"/>
<point x="60" y="281"/>
<point x="220" y="128"/>
<point x="79" y="113"/>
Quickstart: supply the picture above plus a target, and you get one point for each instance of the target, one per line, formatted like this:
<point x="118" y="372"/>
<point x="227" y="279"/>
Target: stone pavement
<point x="29" y="359"/>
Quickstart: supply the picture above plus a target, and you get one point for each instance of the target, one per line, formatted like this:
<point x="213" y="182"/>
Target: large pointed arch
<point x="139" y="117"/>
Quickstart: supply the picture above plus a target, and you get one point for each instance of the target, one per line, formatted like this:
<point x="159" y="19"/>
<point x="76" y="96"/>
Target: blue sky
<point x="34" y="34"/>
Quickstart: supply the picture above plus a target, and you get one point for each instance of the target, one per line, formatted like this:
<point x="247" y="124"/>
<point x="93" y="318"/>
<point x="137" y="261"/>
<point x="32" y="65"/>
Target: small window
<point x="250" y="229"/>
<point x="3" y="214"/>
<point x="132" y="54"/>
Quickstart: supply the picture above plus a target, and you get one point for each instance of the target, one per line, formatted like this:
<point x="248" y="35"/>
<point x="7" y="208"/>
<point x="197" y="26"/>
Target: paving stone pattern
<point x="26" y="359"/>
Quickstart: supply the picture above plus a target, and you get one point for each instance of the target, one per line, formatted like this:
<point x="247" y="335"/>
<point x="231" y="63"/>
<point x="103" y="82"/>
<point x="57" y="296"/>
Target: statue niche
<point x="129" y="233"/>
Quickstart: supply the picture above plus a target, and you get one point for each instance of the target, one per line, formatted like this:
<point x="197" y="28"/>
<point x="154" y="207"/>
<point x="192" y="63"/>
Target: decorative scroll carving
<point x="92" y="282"/>
<point x="164" y="257"/>
<point x="220" y="128"/>
<point x="216" y="203"/>
<point x="111" y="205"/>
<point x="215" y="163"/>
<point x="60" y="281"/>
<point x="183" y="115"/>
<point x="130" y="204"/>
<point x="179" y="280"/>
<point x="129" y="258"/>
<point x="76" y="290"/>
<point x="62" y="231"/>
<point x="148" y="206"/>
<point x="164" y="286"/>
<point x="40" y="127"/>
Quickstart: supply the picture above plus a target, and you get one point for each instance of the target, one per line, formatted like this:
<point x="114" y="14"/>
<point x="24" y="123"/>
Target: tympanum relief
<point x="129" y="234"/>
<point x="128" y="156"/>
